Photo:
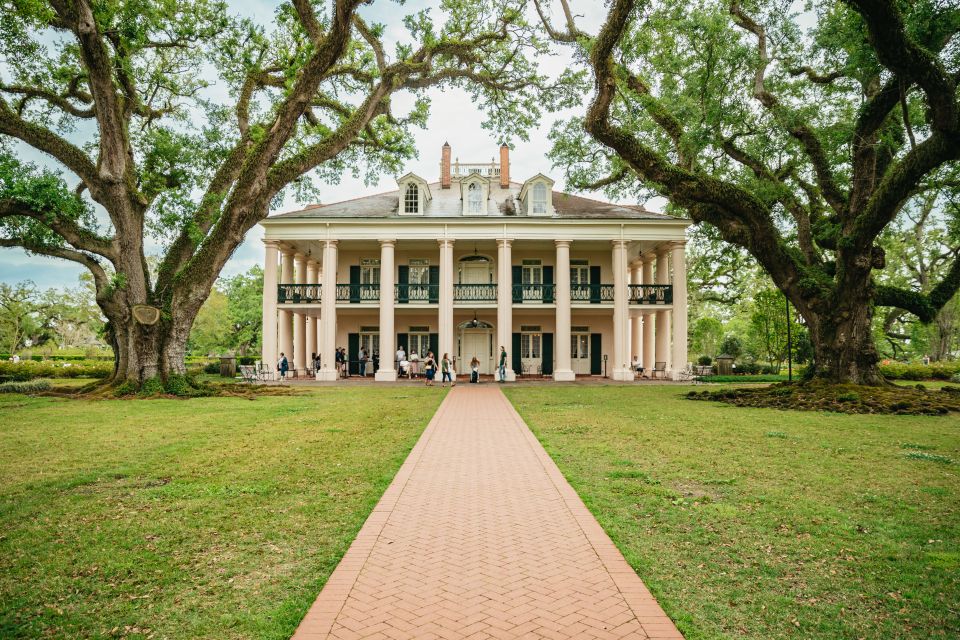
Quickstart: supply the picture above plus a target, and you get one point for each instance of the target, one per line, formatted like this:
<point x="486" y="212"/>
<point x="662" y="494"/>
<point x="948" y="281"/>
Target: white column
<point x="621" y="317"/>
<point x="636" y="322"/>
<point x="300" y="319"/>
<point x="328" y="314"/>
<point x="663" y="317"/>
<point x="679" y="263"/>
<point x="505" y="305"/>
<point x="563" y="372"/>
<point x="388" y="335"/>
<point x="445" y="311"/>
<point x="285" y="330"/>
<point x="311" y="325"/>
<point x="649" y="340"/>
<point x="268" y="353"/>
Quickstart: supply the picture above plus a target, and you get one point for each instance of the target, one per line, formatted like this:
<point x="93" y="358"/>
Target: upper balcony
<point x="522" y="294"/>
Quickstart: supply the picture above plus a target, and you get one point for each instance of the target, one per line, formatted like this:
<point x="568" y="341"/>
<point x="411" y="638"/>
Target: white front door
<point x="475" y="343"/>
<point x="580" y="353"/>
<point x="531" y="355"/>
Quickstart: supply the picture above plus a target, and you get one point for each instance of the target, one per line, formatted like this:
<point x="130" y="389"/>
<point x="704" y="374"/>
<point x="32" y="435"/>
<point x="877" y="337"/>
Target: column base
<point x="623" y="375"/>
<point x="327" y="375"/>
<point x="384" y="375"/>
<point x="564" y="375"/>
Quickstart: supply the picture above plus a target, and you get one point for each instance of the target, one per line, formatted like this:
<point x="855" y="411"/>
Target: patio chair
<point x="688" y="374"/>
<point x="659" y="368"/>
<point x="248" y="373"/>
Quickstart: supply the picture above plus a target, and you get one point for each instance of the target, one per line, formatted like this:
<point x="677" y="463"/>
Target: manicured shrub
<point x="212" y="368"/>
<point x="704" y="361"/>
<point x="29" y="386"/>
<point x="934" y="371"/>
<point x="29" y="370"/>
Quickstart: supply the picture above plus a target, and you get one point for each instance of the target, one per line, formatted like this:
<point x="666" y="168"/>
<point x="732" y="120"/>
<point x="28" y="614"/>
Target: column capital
<point x="504" y="242"/>
<point x="330" y="243"/>
<point x="445" y="242"/>
<point x="678" y="244"/>
<point x="562" y="243"/>
<point x="286" y="250"/>
<point x="637" y="263"/>
<point x="662" y="251"/>
<point x="388" y="242"/>
<point x="271" y="243"/>
<point x="620" y="244"/>
<point x="299" y="256"/>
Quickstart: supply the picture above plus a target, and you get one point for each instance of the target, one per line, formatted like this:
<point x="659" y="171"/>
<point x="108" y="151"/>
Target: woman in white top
<point x="414" y="364"/>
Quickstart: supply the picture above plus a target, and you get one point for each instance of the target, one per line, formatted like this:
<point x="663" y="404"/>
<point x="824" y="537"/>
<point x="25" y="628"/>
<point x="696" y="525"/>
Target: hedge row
<point x="934" y="371"/>
<point x="30" y="386"/>
<point x="28" y="370"/>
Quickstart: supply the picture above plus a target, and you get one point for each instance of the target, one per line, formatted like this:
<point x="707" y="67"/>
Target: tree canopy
<point x="178" y="123"/>
<point x="798" y="144"/>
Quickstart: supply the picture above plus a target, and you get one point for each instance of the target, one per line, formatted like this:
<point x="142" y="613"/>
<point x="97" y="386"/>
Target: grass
<point x="204" y="518"/>
<point x="761" y="523"/>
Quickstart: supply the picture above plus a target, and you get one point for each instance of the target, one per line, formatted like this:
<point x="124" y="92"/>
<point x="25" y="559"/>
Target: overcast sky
<point x="453" y="119"/>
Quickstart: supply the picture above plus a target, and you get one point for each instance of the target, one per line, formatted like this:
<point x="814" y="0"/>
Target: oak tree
<point x="798" y="138"/>
<point x="176" y="125"/>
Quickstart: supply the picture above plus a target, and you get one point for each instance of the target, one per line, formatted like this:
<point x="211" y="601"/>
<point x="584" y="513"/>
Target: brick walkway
<point x="480" y="536"/>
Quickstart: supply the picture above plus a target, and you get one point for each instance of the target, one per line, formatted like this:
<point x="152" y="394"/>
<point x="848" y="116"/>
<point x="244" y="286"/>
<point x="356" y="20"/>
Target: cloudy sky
<point x="453" y="119"/>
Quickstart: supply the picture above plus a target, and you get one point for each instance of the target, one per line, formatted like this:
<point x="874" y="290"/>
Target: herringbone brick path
<point x="480" y="536"/>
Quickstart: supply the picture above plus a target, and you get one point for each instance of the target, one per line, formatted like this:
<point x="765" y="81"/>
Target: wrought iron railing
<point x="650" y="294"/>
<point x="406" y="293"/>
<point x="298" y="293"/>
<point x="358" y="292"/>
<point x="474" y="293"/>
<point x="523" y="293"/>
<point x="593" y="293"/>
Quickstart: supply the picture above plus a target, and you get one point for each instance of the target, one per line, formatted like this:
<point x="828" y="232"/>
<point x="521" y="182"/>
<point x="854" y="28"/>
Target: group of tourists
<point x="410" y="367"/>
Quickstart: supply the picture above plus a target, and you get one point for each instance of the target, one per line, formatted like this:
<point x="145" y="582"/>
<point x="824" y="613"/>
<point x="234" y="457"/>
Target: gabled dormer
<point x="536" y="196"/>
<point x="414" y="195"/>
<point x="474" y="194"/>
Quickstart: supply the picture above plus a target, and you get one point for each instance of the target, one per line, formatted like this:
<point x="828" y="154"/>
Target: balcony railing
<point x="650" y="294"/>
<point x="298" y="293"/>
<point x="474" y="293"/>
<point x="358" y="292"/>
<point x="406" y="293"/>
<point x="522" y="293"/>
<point x="533" y="293"/>
<point x="593" y="293"/>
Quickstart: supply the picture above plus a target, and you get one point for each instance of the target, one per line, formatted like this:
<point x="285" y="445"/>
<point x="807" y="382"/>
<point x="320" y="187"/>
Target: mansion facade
<point x="568" y="285"/>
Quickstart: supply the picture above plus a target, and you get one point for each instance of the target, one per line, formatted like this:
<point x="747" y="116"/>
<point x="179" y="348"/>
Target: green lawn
<point x="204" y="518"/>
<point x="755" y="523"/>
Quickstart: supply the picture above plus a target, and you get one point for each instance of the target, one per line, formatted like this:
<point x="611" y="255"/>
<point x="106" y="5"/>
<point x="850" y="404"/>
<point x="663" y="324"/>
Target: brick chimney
<point x="445" y="166"/>
<point x="504" y="166"/>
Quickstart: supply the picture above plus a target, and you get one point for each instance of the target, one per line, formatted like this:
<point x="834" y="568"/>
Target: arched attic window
<point x="474" y="198"/>
<point x="539" y="198"/>
<point x="411" y="199"/>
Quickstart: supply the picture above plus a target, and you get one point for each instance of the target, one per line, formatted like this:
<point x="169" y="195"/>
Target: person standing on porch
<point x="282" y="366"/>
<point x="363" y="362"/>
<point x="446" y="371"/>
<point x="503" y="364"/>
<point x="401" y="357"/>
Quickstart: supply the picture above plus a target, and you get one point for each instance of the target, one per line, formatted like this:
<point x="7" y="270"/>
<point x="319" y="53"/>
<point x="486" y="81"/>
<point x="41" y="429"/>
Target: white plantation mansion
<point x="570" y="286"/>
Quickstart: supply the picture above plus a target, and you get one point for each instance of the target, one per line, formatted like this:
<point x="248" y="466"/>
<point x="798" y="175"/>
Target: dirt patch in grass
<point x="813" y="396"/>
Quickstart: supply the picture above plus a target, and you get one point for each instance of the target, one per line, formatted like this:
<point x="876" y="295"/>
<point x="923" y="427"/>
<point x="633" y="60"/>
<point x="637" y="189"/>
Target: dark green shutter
<point x="546" y="365"/>
<point x="402" y="341"/>
<point x="548" y="284"/>
<point x="353" y="353"/>
<point x="354" y="283"/>
<point x="435" y="345"/>
<point x="434" y="285"/>
<point x="596" y="346"/>
<point x="517" y="368"/>
<point x="403" y="279"/>
<point x="595" y="282"/>
<point x="517" y="272"/>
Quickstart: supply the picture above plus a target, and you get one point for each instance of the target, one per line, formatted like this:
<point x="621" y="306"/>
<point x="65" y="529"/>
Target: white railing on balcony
<point x="487" y="169"/>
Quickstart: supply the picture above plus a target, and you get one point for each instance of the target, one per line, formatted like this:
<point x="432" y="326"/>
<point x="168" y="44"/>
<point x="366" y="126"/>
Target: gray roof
<point x="446" y="203"/>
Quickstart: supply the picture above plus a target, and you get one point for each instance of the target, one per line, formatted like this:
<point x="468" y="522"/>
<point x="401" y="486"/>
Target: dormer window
<point x="411" y="199"/>
<point x="474" y="193"/>
<point x="474" y="198"/>
<point x="536" y="197"/>
<point x="414" y="194"/>
<point x="539" y="199"/>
